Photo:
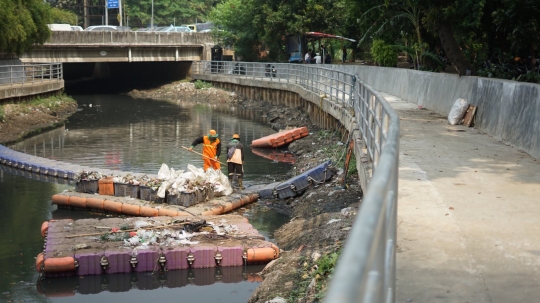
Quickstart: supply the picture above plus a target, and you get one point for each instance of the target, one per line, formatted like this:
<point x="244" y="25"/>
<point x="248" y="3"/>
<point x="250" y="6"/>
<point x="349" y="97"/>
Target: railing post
<point x="351" y="95"/>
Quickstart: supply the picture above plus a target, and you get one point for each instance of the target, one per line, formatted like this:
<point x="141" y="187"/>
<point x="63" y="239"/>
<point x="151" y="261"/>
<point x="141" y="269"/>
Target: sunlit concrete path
<point x="468" y="214"/>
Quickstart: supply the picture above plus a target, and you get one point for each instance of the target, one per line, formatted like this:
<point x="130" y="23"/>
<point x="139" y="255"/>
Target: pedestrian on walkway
<point x="211" y="149"/>
<point x="235" y="160"/>
<point x="307" y="58"/>
<point x="344" y="54"/>
<point x="318" y="58"/>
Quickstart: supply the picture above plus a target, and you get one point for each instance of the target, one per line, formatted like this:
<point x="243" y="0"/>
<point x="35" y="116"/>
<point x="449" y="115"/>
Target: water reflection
<point x="126" y="282"/>
<point x="122" y="133"/>
<point x="119" y="132"/>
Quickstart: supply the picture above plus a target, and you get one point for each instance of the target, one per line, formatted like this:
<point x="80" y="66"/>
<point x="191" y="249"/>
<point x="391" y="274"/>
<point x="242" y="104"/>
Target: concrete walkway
<point x="468" y="214"/>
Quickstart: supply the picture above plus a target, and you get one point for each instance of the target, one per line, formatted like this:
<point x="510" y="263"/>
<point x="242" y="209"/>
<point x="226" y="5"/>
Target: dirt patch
<point x="23" y="119"/>
<point x="321" y="217"/>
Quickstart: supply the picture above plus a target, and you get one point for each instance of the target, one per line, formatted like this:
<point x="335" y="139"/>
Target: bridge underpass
<point x="116" y="59"/>
<point x="120" y="76"/>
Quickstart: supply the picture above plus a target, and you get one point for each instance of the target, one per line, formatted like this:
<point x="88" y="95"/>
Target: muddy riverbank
<point x="19" y="120"/>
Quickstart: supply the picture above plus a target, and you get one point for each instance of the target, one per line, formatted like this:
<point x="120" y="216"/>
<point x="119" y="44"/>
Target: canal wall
<point x="507" y="110"/>
<point x="322" y="112"/>
<point x="16" y="86"/>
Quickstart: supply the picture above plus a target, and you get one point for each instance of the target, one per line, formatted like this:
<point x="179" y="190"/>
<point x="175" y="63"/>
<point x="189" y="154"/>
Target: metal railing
<point x="366" y="270"/>
<point x="30" y="73"/>
<point x="334" y="85"/>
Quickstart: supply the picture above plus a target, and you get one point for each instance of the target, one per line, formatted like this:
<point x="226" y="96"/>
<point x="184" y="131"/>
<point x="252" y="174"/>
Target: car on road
<point x="107" y="28"/>
<point x="177" y="29"/>
<point x="76" y="28"/>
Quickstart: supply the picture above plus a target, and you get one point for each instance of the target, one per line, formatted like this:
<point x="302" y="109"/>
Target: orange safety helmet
<point x="236" y="136"/>
<point x="212" y="134"/>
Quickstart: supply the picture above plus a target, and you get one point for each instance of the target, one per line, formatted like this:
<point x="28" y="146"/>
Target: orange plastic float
<point x="281" y="138"/>
<point x="76" y="201"/>
<point x="113" y="206"/>
<point x="53" y="265"/>
<point x="262" y="254"/>
<point x="60" y="199"/>
<point x="44" y="228"/>
<point x="148" y="211"/>
<point x="274" y="155"/>
<point x="130" y="209"/>
<point x="39" y="262"/>
<point x="82" y="200"/>
<point x="95" y="203"/>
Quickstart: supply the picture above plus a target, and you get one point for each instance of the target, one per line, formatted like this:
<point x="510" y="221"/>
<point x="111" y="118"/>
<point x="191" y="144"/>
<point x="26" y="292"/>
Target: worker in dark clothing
<point x="211" y="149"/>
<point x="235" y="160"/>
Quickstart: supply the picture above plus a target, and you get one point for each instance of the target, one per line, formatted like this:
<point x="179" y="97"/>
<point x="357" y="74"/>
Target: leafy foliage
<point x="383" y="53"/>
<point x="202" y="84"/>
<point x="319" y="271"/>
<point x="22" y="24"/>
<point x="62" y="16"/>
<point x="256" y="28"/>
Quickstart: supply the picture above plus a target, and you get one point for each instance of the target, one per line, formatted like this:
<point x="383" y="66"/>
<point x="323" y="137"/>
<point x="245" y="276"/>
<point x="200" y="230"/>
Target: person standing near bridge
<point x="211" y="149"/>
<point x="235" y="160"/>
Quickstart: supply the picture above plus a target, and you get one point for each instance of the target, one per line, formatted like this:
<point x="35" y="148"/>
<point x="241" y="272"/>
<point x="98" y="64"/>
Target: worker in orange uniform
<point x="211" y="149"/>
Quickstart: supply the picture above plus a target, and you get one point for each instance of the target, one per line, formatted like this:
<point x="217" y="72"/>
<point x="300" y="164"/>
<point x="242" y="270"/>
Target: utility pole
<point x="152" y="22"/>
<point x="120" y="11"/>
<point x="85" y="9"/>
<point x="106" y="12"/>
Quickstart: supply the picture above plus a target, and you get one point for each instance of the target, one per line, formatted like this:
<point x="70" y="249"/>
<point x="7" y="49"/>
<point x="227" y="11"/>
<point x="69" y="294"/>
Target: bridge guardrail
<point x="366" y="270"/>
<point x="30" y="73"/>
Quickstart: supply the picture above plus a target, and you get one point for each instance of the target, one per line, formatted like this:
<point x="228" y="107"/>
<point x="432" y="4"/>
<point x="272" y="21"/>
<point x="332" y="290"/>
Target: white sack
<point x="458" y="111"/>
<point x="164" y="172"/>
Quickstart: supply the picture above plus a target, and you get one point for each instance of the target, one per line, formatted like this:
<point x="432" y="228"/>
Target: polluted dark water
<point x="119" y="132"/>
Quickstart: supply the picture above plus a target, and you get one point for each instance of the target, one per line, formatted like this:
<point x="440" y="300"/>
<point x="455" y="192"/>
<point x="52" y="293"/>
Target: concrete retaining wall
<point x="507" y="110"/>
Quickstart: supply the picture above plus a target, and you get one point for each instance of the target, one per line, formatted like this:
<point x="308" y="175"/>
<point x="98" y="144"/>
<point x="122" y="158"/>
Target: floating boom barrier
<point x="101" y="246"/>
<point x="281" y="138"/>
<point x="298" y="184"/>
<point x="135" y="207"/>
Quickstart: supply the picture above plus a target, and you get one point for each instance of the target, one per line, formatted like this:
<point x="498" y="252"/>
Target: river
<point x="119" y="132"/>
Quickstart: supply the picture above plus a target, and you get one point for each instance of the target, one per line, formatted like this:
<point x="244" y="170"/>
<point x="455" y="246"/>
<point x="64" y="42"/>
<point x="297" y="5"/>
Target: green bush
<point x="383" y="54"/>
<point x="202" y="85"/>
<point x="1" y="113"/>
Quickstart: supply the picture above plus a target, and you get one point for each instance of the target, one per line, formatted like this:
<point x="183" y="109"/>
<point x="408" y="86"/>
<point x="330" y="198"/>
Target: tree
<point x="23" y="23"/>
<point x="253" y="25"/>
<point x="62" y="16"/>
<point x="519" y="22"/>
<point x="449" y="19"/>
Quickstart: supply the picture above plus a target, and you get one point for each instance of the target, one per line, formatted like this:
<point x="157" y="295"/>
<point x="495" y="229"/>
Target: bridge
<point x="83" y="46"/>
<point x="466" y="227"/>
<point x="123" y="55"/>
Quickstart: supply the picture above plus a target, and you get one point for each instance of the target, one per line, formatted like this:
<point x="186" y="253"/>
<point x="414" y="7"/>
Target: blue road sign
<point x="112" y="4"/>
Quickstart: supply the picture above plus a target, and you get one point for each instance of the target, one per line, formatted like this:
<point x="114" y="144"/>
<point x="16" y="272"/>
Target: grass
<point x="319" y="271"/>
<point x="337" y="152"/>
<point x="53" y="103"/>
<point x="202" y="84"/>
